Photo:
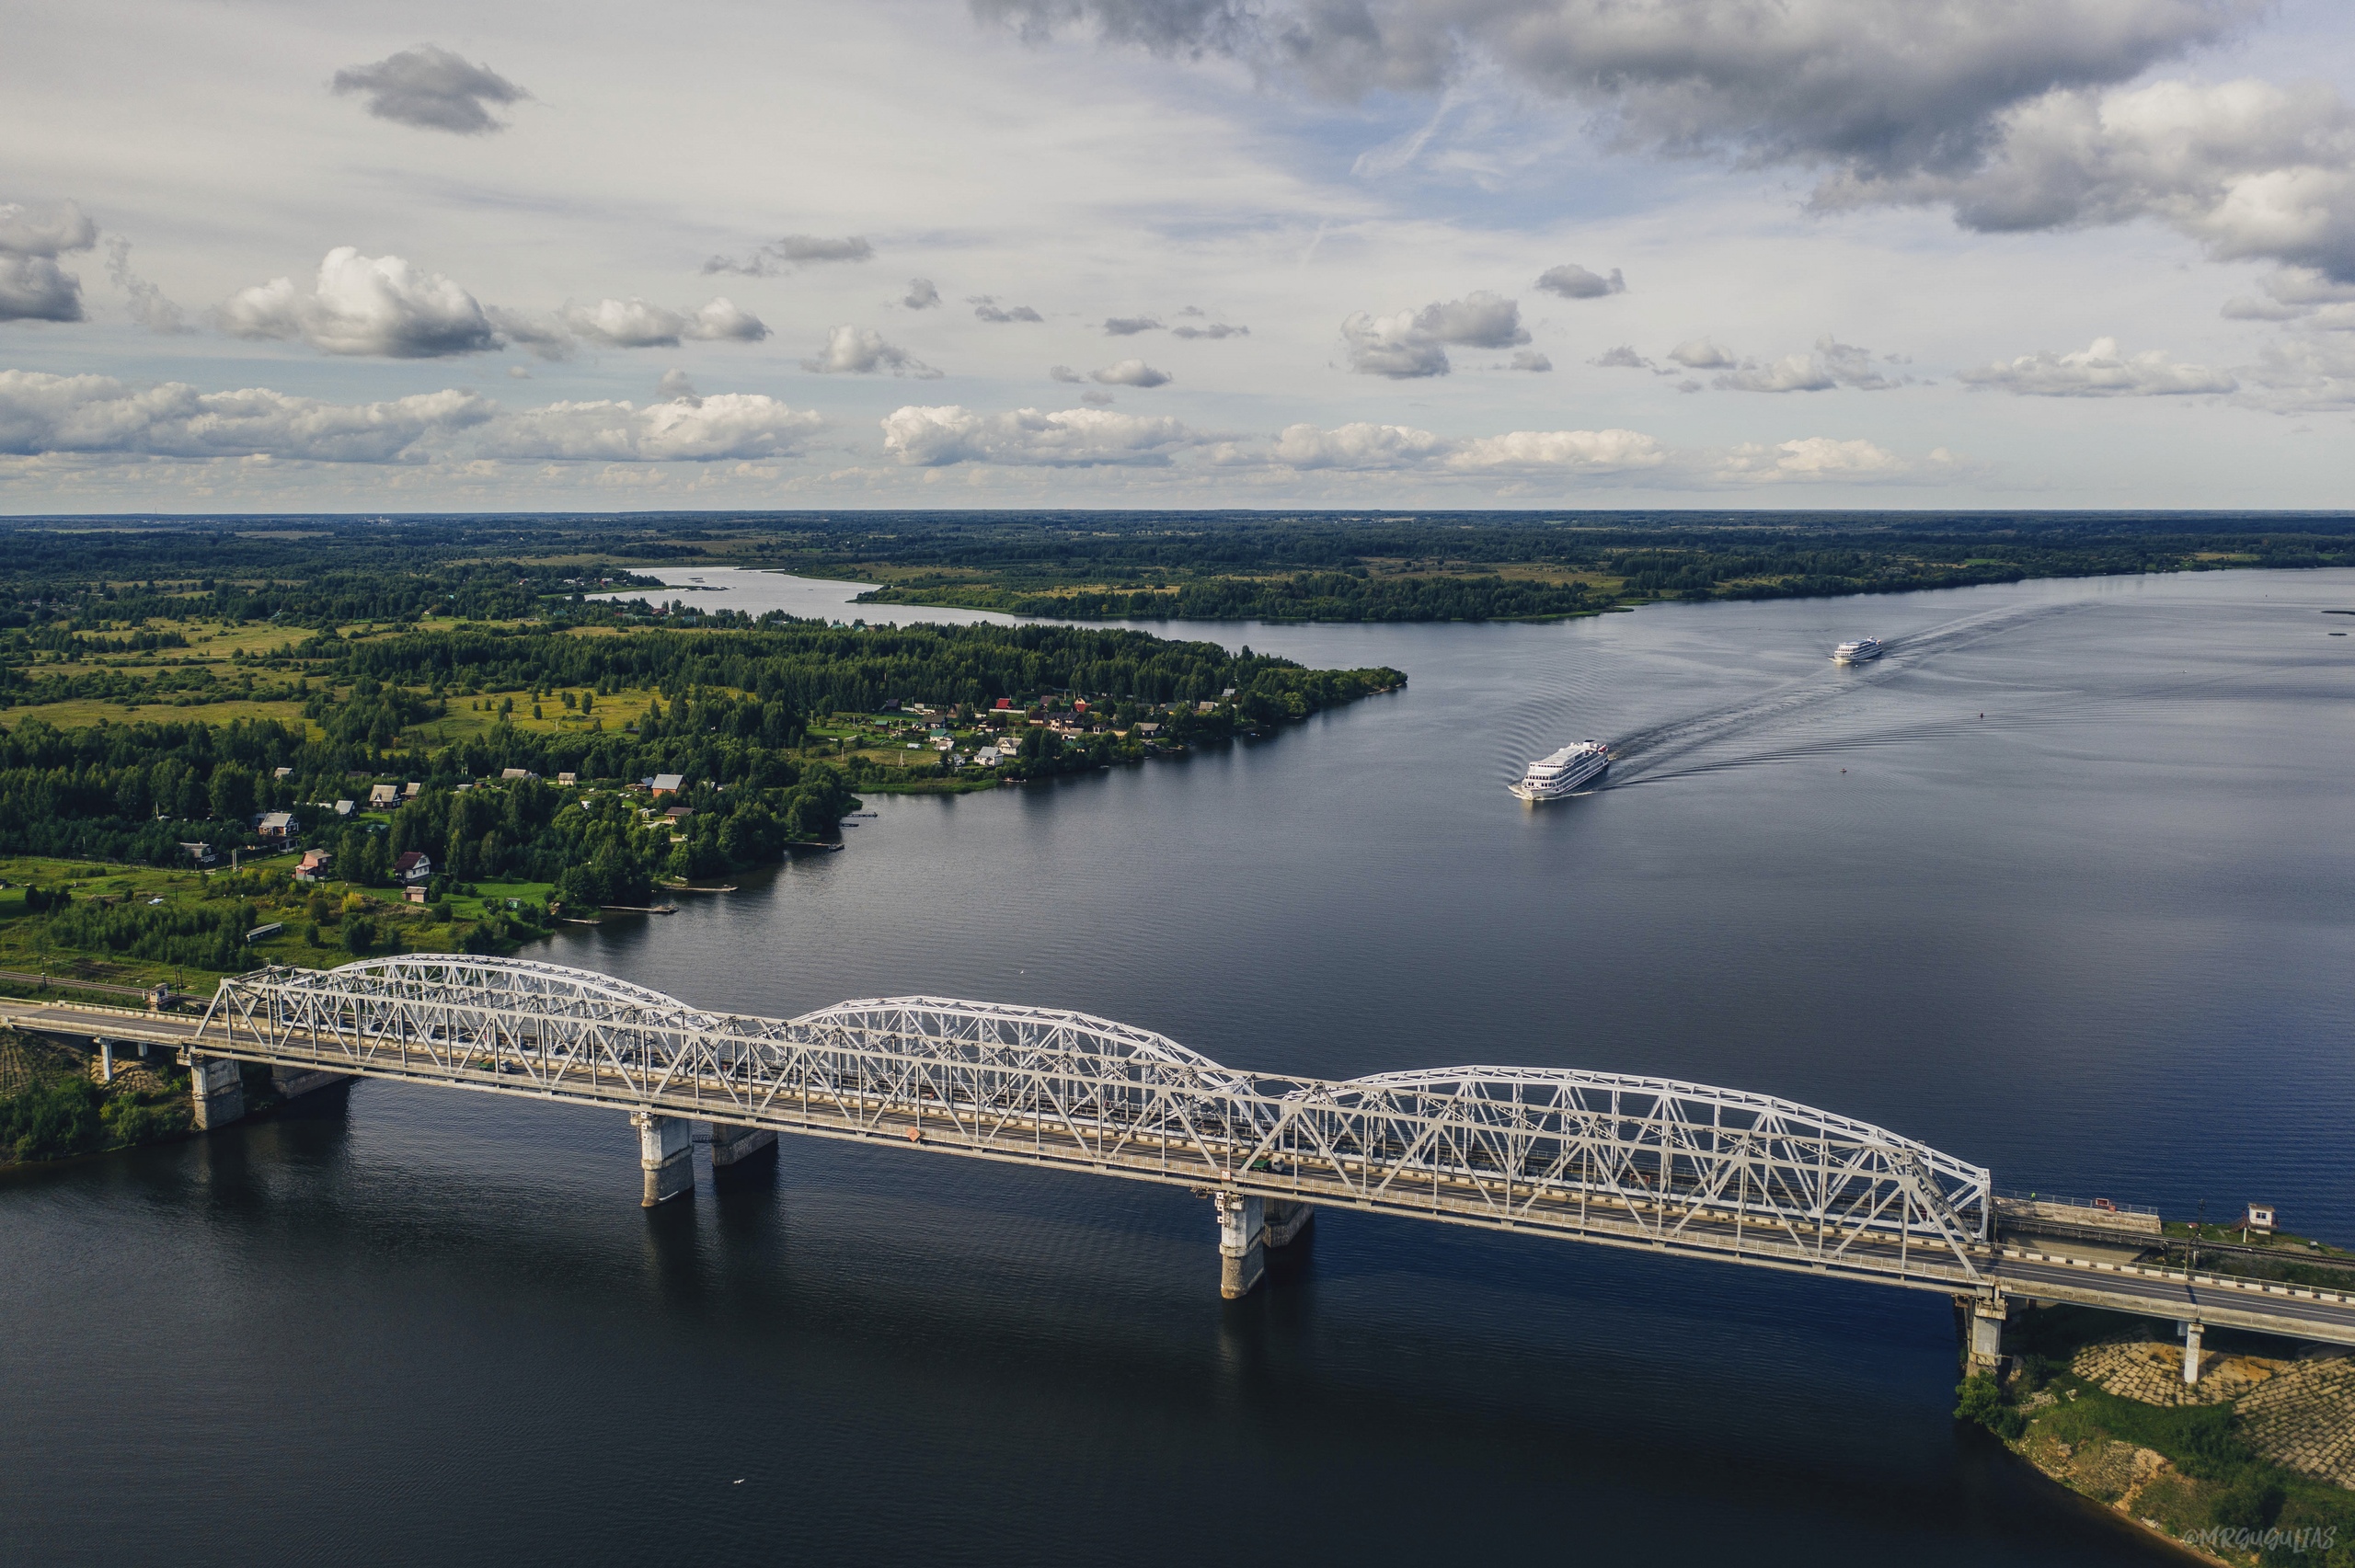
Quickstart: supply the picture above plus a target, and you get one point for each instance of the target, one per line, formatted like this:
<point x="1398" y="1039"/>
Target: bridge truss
<point x="1598" y="1157"/>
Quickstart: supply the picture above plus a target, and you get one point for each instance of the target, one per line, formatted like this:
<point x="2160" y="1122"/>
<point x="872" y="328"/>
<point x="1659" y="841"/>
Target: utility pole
<point x="2191" y="1248"/>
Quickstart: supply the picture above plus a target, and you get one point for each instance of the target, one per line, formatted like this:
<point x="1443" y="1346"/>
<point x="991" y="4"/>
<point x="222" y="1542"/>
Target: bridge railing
<point x="1612" y="1156"/>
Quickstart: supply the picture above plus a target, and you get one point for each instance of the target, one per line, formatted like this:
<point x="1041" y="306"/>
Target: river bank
<point x="2255" y="1463"/>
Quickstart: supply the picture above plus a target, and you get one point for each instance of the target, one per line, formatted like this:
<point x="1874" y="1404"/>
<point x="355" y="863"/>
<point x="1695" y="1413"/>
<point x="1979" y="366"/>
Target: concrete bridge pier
<point x="666" y="1153"/>
<point x="731" y="1143"/>
<point x="1286" y="1220"/>
<point x="1986" y="1327"/>
<point x="1242" y="1236"/>
<point x="217" y="1089"/>
<point x="2190" y="1332"/>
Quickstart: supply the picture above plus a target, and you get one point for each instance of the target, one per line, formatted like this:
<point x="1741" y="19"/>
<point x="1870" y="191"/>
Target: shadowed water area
<point x="2098" y="939"/>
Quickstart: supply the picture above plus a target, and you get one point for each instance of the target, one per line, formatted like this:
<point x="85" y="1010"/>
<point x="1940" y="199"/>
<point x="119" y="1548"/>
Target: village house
<point x="512" y="776"/>
<point x="667" y="784"/>
<point x="384" y="796"/>
<point x="314" y="868"/>
<point x="415" y="866"/>
<point x="198" y="854"/>
<point x="276" y="827"/>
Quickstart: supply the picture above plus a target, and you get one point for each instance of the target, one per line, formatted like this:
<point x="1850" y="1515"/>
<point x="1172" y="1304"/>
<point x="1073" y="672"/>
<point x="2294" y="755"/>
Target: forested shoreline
<point x="317" y="572"/>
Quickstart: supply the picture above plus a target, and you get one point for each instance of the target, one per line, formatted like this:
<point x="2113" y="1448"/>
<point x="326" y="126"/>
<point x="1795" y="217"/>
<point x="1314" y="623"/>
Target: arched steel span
<point x="1595" y="1156"/>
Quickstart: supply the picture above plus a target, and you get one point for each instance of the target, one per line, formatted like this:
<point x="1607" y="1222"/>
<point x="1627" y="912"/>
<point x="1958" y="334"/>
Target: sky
<point x="1358" y="254"/>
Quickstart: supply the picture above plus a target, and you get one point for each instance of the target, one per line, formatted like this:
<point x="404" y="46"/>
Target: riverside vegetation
<point x="149" y="726"/>
<point x="2253" y="1465"/>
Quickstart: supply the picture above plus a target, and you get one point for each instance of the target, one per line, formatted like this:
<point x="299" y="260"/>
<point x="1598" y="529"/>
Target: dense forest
<point x="727" y="709"/>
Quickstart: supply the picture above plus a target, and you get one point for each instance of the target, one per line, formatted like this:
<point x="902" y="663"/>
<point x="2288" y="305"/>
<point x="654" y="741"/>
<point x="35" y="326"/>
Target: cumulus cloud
<point x="1623" y="357"/>
<point x="1359" y="446"/>
<point x="544" y="337"/>
<point x="147" y="306"/>
<point x="677" y="386"/>
<point x="359" y="304"/>
<point x="1575" y="282"/>
<point x="2297" y="294"/>
<point x="1529" y="359"/>
<point x="33" y="287"/>
<point x="98" y="415"/>
<point x="432" y="89"/>
<point x="986" y="307"/>
<point x="1701" y="354"/>
<point x="2099" y="371"/>
<point x="795" y="251"/>
<point x="1214" y="331"/>
<point x="2249" y="169"/>
<point x="1588" y="450"/>
<point x="1064" y="372"/>
<point x="931" y="438"/>
<point x="921" y="294"/>
<point x="725" y="426"/>
<point x="1819" y="459"/>
<point x="1830" y="365"/>
<point x="1130" y="373"/>
<point x="860" y="351"/>
<point x="1868" y="84"/>
<point x="1369" y="447"/>
<point x="1129" y="326"/>
<point x="634" y="324"/>
<point x="1415" y="343"/>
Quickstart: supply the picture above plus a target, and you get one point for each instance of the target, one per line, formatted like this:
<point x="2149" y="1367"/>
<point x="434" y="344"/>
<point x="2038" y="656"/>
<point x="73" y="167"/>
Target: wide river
<point x="2064" y="885"/>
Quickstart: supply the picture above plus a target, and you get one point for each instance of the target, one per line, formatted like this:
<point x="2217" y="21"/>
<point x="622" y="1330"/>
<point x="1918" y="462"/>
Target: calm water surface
<point x="2064" y="885"/>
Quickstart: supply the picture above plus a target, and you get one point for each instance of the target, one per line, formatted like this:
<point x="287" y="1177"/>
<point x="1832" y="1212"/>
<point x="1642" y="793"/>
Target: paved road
<point x="66" y="1018"/>
<point x="2205" y="1301"/>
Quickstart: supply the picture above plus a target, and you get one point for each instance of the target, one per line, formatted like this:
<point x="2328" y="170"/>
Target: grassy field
<point x="267" y="885"/>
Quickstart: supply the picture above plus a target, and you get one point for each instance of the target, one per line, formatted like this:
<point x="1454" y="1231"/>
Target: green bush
<point x="53" y="1118"/>
<point x="1979" y="1400"/>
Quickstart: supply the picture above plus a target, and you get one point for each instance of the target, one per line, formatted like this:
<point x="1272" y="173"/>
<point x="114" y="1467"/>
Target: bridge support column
<point x="2192" y="1353"/>
<point x="1286" y="1220"/>
<point x="730" y="1142"/>
<point x="1987" y="1333"/>
<point x="105" y="1061"/>
<point x="217" y="1089"/>
<point x="666" y="1152"/>
<point x="1242" y="1231"/>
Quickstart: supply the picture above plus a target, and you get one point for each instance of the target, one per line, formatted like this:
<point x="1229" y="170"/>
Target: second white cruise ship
<point x="1552" y="777"/>
<point x="1856" y="652"/>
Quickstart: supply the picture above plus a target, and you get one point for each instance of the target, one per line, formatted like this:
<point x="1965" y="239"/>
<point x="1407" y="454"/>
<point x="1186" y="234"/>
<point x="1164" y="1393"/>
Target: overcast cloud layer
<point x="1541" y="253"/>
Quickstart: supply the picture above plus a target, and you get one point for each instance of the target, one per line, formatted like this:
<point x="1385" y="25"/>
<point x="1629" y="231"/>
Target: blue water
<point x="2098" y="939"/>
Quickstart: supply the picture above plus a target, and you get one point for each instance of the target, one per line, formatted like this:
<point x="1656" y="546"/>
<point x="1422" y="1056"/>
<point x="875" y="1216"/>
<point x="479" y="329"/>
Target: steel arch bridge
<point x="1606" y="1158"/>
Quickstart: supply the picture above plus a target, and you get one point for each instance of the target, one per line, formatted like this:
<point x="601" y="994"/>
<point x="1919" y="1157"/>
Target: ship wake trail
<point x="1649" y="753"/>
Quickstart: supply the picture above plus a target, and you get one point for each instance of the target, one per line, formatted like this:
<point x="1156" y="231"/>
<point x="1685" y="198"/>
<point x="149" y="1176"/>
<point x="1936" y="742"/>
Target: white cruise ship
<point x="1552" y="777"/>
<point x="1856" y="652"/>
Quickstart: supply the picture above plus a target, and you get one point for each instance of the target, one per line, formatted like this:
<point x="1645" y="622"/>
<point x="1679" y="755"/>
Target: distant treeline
<point x="107" y="576"/>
